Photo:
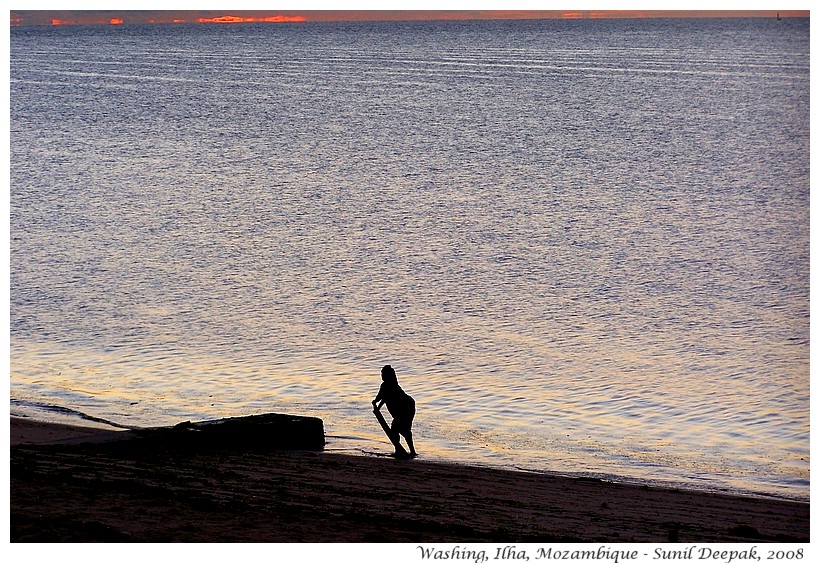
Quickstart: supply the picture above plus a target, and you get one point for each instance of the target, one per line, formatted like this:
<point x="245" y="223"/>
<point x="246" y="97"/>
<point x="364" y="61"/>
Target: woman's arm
<point x="379" y="397"/>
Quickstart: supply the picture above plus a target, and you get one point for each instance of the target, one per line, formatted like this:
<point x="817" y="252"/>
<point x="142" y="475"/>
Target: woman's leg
<point x="396" y="431"/>
<point x="408" y="425"/>
<point x="404" y="427"/>
<point x="409" y="437"/>
<point x="391" y="433"/>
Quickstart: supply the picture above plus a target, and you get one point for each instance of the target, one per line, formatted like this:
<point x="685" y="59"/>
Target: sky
<point x="321" y="11"/>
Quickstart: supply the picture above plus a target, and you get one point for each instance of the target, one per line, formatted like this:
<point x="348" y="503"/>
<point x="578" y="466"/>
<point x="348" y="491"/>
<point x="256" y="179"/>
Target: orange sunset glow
<point x="140" y="17"/>
<point x="239" y="19"/>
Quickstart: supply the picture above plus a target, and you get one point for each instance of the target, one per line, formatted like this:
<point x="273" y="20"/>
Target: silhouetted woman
<point x="401" y="406"/>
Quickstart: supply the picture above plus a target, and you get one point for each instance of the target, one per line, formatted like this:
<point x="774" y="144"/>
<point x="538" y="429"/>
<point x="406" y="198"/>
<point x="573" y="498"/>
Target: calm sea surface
<point x="584" y="246"/>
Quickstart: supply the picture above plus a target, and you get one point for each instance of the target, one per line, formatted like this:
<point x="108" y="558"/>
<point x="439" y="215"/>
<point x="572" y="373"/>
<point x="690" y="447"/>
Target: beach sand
<point x="25" y="431"/>
<point x="73" y="484"/>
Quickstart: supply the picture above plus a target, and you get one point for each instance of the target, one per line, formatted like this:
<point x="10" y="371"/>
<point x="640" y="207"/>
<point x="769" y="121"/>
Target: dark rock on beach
<point x="258" y="433"/>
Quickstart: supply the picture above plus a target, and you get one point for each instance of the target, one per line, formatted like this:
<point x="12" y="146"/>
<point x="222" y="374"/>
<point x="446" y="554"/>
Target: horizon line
<point x="52" y="18"/>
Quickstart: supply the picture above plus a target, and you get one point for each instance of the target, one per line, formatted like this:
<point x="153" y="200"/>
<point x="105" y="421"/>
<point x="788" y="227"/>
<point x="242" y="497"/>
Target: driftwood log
<point x="257" y="432"/>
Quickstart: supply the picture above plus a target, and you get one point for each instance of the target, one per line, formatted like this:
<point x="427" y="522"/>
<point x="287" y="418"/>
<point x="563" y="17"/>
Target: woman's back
<point x="394" y="397"/>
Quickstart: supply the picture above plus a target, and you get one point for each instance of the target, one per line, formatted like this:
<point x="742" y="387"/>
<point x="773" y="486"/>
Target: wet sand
<point x="32" y="432"/>
<point x="73" y="484"/>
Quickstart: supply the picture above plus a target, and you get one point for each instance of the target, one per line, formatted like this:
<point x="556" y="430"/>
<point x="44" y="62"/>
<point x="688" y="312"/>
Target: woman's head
<point x="388" y="373"/>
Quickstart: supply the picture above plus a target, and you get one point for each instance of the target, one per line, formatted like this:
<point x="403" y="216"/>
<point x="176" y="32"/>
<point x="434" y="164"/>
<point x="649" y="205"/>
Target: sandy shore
<point x="79" y="485"/>
<point x="32" y="432"/>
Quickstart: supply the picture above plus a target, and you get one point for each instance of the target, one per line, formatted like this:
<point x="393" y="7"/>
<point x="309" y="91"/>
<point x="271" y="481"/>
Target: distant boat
<point x="778" y="16"/>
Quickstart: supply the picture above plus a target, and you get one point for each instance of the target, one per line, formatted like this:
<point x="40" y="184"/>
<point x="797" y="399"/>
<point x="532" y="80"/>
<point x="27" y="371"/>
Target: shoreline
<point x="31" y="430"/>
<point x="78" y="484"/>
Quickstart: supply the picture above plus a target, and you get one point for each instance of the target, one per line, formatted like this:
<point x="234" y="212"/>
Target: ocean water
<point x="583" y="245"/>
